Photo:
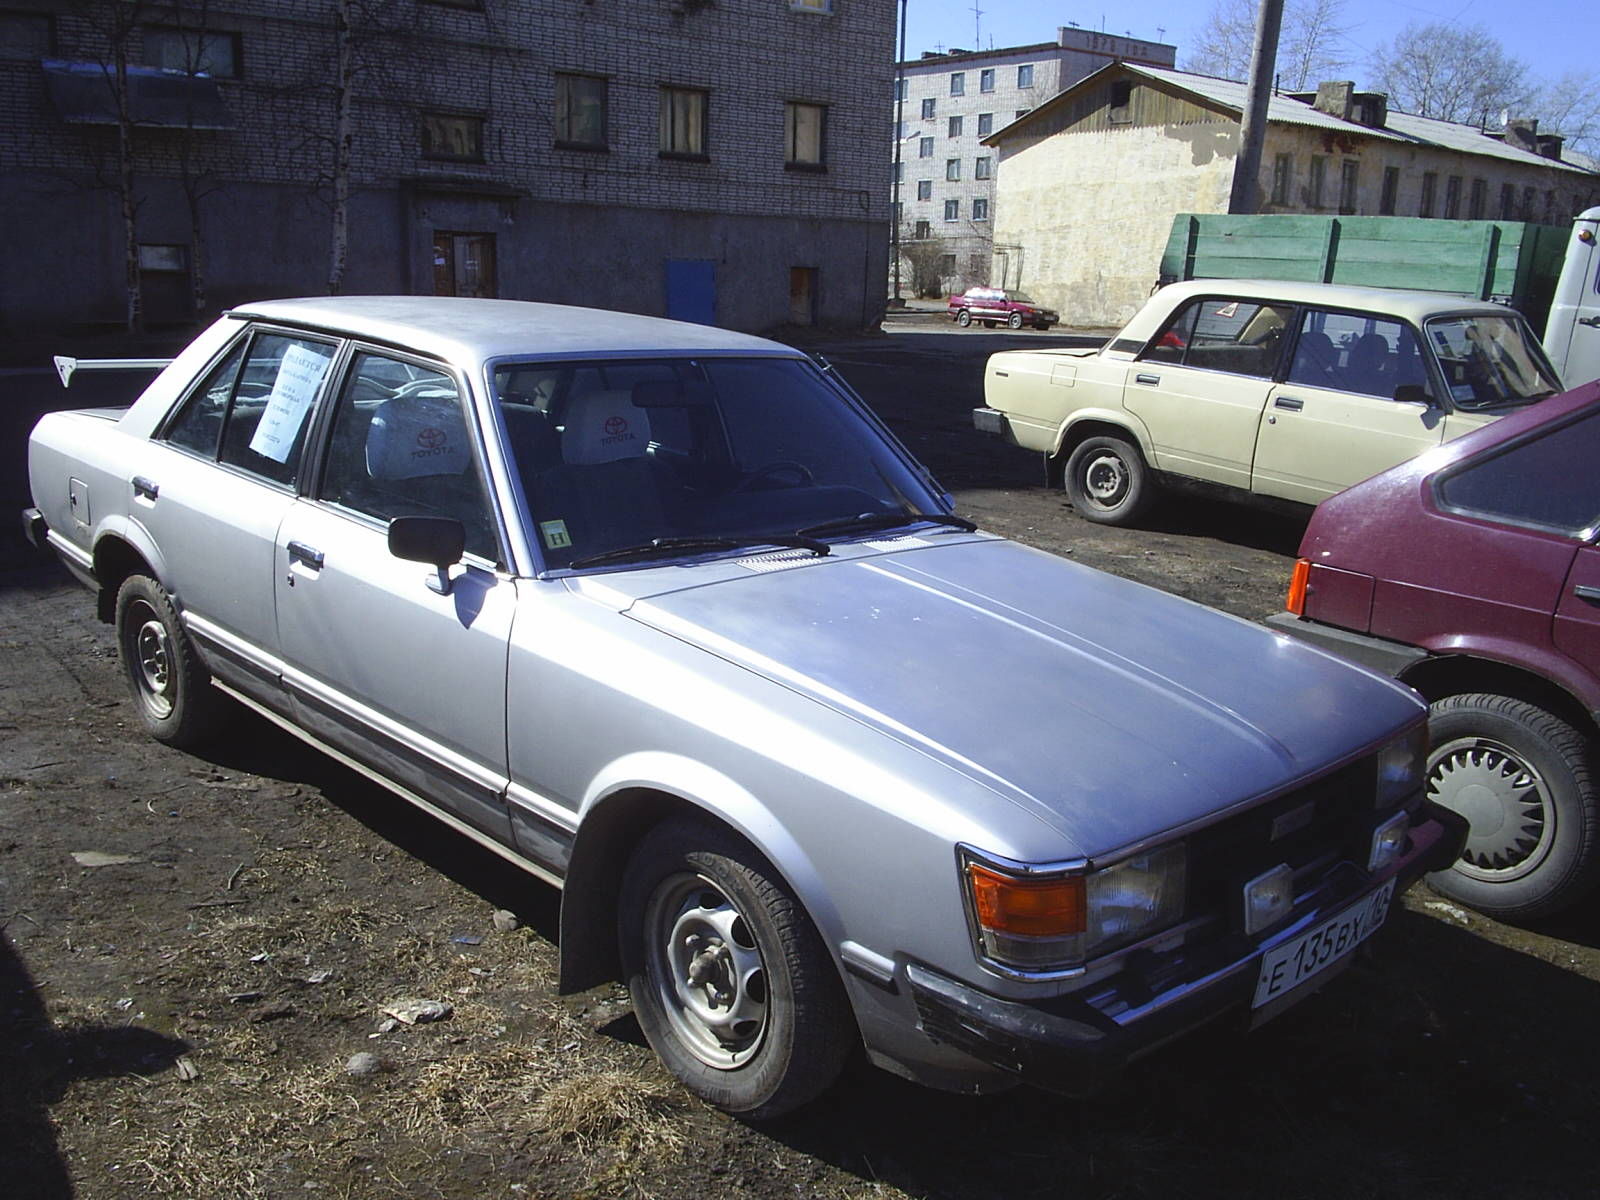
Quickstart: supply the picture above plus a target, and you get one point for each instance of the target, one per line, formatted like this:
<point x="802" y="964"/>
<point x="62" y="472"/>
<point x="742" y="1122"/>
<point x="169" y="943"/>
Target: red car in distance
<point x="1472" y="573"/>
<point x="1000" y="306"/>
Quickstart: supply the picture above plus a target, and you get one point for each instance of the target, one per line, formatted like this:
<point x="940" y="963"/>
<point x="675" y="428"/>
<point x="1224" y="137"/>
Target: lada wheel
<point x="1014" y="320"/>
<point x="963" y="318"/>
<point x="171" y="687"/>
<point x="731" y="983"/>
<point x="1522" y="778"/>
<point x="1107" y="481"/>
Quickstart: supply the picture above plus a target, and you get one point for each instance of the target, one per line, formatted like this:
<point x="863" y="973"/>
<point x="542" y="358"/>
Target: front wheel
<point x="1014" y="320"/>
<point x="731" y="982"/>
<point x="171" y="687"/>
<point x="1522" y="778"/>
<point x="1107" y="481"/>
<point x="963" y="318"/>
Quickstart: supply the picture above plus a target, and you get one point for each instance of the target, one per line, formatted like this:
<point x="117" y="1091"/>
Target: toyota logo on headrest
<point x="431" y="438"/>
<point x="616" y="426"/>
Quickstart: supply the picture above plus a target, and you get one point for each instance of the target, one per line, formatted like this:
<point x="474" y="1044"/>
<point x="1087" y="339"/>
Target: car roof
<point x="459" y="329"/>
<point x="1412" y="306"/>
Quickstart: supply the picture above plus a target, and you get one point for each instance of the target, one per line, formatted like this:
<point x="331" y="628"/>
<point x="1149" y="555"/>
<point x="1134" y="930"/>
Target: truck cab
<point x="1572" y="334"/>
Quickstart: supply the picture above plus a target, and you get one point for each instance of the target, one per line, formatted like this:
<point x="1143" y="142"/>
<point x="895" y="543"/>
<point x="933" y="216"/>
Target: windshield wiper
<point x="867" y="522"/>
<point x="674" y="545"/>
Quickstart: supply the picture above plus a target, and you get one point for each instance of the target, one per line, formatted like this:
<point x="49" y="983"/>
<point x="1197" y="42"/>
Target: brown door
<point x="463" y="264"/>
<point x="802" y="295"/>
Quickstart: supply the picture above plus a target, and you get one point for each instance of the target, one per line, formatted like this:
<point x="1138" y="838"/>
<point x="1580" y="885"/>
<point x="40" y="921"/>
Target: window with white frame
<point x="929" y="104"/>
<point x="1025" y="75"/>
<point x="952" y="210"/>
<point x="954" y="129"/>
<point x="952" y="168"/>
<point x="925" y="148"/>
<point x="985" y="124"/>
<point x="683" y="122"/>
<point x="986" y="80"/>
<point x="580" y="111"/>
<point x="983" y="168"/>
<point x="980" y="208"/>
<point x="924" y="189"/>
<point x="805" y="129"/>
<point x="811" y="6"/>
<point x="958" y="83"/>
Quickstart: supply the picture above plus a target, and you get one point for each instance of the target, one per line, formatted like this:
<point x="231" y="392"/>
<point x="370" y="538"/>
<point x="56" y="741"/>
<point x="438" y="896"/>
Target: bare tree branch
<point x="1451" y="74"/>
<point x="1310" y="49"/>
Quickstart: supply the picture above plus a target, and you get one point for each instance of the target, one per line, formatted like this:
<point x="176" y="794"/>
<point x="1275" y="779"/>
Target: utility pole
<point x="1245" y="197"/>
<point x="899" y="126"/>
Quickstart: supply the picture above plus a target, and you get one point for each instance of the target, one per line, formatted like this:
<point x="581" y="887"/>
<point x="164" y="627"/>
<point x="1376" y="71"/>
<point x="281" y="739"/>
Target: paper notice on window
<point x="299" y="375"/>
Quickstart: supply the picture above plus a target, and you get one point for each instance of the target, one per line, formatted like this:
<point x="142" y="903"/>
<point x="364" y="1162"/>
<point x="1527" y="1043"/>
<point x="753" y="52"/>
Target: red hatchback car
<point x="1000" y="306"/>
<point x="1472" y="573"/>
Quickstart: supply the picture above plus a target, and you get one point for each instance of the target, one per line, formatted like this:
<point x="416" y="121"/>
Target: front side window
<point x="1219" y="333"/>
<point x="193" y="52"/>
<point x="1489" y="361"/>
<point x="400" y="447"/>
<point x="1356" y="352"/>
<point x="1561" y="458"/>
<point x="452" y="137"/>
<point x="805" y="134"/>
<point x="624" y="452"/>
<point x="580" y="111"/>
<point x="683" y="122"/>
<point x="986" y="80"/>
<point x="1025" y="75"/>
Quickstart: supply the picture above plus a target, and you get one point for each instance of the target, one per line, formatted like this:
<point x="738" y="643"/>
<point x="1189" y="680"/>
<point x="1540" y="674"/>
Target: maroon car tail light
<point x="1296" y="602"/>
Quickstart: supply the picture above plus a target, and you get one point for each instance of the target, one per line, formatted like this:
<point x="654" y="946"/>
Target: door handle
<point x="1152" y="380"/>
<point x="1288" y="402"/>
<point x="300" y="552"/>
<point x="1584" y="592"/>
<point x="145" y="487"/>
<point x="1591" y="322"/>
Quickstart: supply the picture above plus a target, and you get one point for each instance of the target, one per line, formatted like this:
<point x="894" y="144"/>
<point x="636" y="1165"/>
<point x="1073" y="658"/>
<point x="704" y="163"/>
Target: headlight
<point x="1040" y="920"/>
<point x="1401" y="767"/>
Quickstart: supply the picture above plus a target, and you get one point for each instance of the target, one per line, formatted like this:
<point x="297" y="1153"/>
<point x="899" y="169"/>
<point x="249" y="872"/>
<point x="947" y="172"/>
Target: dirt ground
<point x="179" y="1019"/>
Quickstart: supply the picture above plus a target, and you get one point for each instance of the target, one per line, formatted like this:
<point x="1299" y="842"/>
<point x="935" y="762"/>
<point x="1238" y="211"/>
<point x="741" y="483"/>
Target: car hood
<point x="1110" y="710"/>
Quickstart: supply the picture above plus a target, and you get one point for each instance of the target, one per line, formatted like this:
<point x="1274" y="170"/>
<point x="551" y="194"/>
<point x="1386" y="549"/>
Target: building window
<point x="947" y="264"/>
<point x="1349" y="178"/>
<point x="1478" y="201"/>
<point x="1430" y="186"/>
<point x="683" y="122"/>
<point x="925" y="148"/>
<point x="952" y="210"/>
<point x="1025" y="75"/>
<point x="899" y="172"/>
<point x="580" y="111"/>
<point x="1391" y="191"/>
<point x="1452" y="197"/>
<point x="924" y="189"/>
<point x="1282" y="178"/>
<point x="922" y="231"/>
<point x="958" y="83"/>
<point x="985" y="124"/>
<point x="474" y="5"/>
<point x="980" y="208"/>
<point x="1550" y="207"/>
<point x="1508" y="201"/>
<point x="811" y="6"/>
<point x="164" y="259"/>
<point x="928" y="107"/>
<point x="452" y="137"/>
<point x="1318" y="181"/>
<point x="805" y="128"/>
<point x="983" y="168"/>
<point x="1021" y="112"/>
<point x="193" y="53"/>
<point x="952" y="168"/>
<point x="900" y="88"/>
<point x="955" y="127"/>
<point x="986" y="80"/>
<point x="1528" y="194"/>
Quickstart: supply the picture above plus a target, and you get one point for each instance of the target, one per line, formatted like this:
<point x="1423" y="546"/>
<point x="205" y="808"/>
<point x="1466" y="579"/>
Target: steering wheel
<point x="782" y="466"/>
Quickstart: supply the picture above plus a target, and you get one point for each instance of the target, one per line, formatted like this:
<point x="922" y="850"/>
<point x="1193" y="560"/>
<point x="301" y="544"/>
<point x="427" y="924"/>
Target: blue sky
<point x="1550" y="36"/>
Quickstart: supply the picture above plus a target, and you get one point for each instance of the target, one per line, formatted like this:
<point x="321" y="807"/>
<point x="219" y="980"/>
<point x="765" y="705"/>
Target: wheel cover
<point x="1512" y="823"/>
<point x="707" y="971"/>
<point x="152" y="660"/>
<point x="1105" y="479"/>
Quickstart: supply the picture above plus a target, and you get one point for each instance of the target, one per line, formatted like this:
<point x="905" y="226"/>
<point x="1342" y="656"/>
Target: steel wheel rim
<point x="152" y="660"/>
<point x="1512" y="822"/>
<point x="1105" y="479"/>
<point x="706" y="971"/>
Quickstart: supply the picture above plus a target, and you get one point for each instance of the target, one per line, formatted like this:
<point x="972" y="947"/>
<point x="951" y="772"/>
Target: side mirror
<point x="437" y="541"/>
<point x="1414" y="393"/>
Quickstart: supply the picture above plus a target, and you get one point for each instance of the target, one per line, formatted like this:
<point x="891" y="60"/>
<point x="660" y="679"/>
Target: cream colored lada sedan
<point x="1285" y="390"/>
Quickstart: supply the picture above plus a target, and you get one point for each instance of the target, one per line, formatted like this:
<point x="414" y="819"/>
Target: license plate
<point x="1286" y="967"/>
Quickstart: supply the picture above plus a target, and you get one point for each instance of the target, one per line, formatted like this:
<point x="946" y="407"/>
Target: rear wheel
<point x="963" y="318"/>
<point x="731" y="982"/>
<point x="1107" y="481"/>
<point x="1522" y="777"/>
<point x="171" y="687"/>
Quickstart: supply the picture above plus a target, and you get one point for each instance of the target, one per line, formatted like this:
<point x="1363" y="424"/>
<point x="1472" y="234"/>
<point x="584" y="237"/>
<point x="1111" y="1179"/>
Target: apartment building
<point x="720" y="162"/>
<point x="946" y="104"/>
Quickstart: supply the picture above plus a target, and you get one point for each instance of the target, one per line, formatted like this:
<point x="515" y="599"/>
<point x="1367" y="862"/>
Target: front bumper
<point x="1071" y="1045"/>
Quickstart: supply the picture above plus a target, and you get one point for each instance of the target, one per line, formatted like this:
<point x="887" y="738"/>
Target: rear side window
<point x="1548" y="482"/>
<point x="1239" y="337"/>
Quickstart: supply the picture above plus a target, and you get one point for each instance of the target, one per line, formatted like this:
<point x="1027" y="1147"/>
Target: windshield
<point x="1489" y="361"/>
<point x="742" y="451"/>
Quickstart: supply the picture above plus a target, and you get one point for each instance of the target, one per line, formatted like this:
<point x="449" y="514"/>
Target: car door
<point x="1577" y="627"/>
<point x="213" y="486"/>
<point x="382" y="660"/>
<point x="1334" y="420"/>
<point x="1201" y="384"/>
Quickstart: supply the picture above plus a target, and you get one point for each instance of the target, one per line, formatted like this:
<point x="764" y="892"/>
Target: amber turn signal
<point x="1029" y="907"/>
<point x="1296" y="603"/>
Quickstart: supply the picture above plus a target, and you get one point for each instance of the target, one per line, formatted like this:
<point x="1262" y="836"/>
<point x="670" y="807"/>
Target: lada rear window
<point x="1547" y="481"/>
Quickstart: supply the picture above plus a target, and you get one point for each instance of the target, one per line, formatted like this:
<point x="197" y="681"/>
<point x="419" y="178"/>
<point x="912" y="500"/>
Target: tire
<point x="963" y="318"/>
<point x="1014" y="320"/>
<point x="689" y="884"/>
<point x="171" y="686"/>
<point x="1523" y="778"/>
<point x="1108" y="482"/>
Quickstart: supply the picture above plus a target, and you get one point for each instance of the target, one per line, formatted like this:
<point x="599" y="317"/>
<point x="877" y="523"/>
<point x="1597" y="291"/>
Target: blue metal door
<point x="692" y="290"/>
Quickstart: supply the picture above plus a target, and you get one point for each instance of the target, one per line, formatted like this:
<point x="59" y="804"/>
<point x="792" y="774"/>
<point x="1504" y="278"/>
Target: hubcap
<point x="1506" y="802"/>
<point x="153" y="662"/>
<point x="1105" y="479"/>
<point x="707" y="971"/>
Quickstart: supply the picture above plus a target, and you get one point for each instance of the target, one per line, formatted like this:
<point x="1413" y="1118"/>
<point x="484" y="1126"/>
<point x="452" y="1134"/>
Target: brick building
<point x="717" y="160"/>
<point x="951" y="102"/>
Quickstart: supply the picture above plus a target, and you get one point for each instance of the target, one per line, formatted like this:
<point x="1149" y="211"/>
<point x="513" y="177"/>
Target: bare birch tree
<point x="1452" y="74"/>
<point x="1570" y="106"/>
<point x="1311" y="48"/>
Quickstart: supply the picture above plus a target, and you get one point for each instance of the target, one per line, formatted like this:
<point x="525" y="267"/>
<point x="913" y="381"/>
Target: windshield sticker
<point x="555" y="535"/>
<point x="299" y="375"/>
<point x="1228" y="310"/>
